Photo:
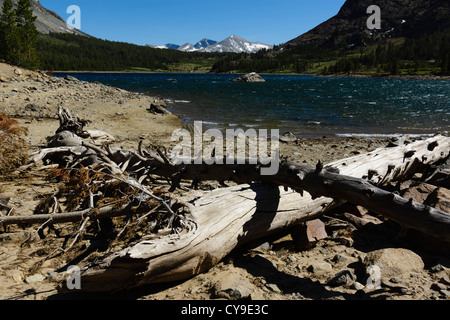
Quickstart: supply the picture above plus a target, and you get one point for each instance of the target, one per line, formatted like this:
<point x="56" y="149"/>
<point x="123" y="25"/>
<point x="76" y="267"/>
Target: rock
<point x="273" y="287"/>
<point x="394" y="262"/>
<point x="439" y="199"/>
<point x="307" y="235"/>
<point x="250" y="77"/>
<point x="320" y="268"/>
<point x="34" y="278"/>
<point x="16" y="275"/>
<point x="288" y="137"/>
<point x="70" y="78"/>
<point x="4" y="200"/>
<point x="158" y="109"/>
<point x="18" y="72"/>
<point x="418" y="191"/>
<point x="438" y="286"/>
<point x="445" y="293"/>
<point x="233" y="286"/>
<point x="345" y="278"/>
<point x="437" y="268"/>
<point x="357" y="286"/>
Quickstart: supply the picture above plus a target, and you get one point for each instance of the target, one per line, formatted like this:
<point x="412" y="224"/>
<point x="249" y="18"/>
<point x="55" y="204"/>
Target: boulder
<point x="250" y="77"/>
<point x="288" y="137"/>
<point x="394" y="262"/>
<point x="233" y="285"/>
<point x="158" y="109"/>
<point x="307" y="235"/>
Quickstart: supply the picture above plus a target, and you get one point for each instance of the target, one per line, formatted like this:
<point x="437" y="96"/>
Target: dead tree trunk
<point x="226" y="218"/>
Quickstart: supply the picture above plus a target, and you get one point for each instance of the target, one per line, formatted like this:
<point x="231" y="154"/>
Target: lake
<point x="304" y="105"/>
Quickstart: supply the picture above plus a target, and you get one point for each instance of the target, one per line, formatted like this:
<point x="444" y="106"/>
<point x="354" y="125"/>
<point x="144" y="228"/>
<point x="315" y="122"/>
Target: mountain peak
<point x="233" y="43"/>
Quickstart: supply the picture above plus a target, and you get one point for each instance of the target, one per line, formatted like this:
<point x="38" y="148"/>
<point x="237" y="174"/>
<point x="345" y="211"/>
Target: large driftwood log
<point x="226" y="218"/>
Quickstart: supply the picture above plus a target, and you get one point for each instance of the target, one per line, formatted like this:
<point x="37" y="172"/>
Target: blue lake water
<point x="304" y="105"/>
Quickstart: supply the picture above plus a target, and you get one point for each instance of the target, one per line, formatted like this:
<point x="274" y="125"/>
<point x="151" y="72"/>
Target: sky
<point x="159" y="22"/>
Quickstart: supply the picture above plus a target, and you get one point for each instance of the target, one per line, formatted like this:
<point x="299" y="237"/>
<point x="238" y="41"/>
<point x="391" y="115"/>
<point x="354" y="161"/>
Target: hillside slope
<point x="399" y="18"/>
<point x="47" y="21"/>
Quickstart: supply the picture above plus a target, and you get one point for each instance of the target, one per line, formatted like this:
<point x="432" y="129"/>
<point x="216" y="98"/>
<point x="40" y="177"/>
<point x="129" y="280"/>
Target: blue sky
<point x="180" y="21"/>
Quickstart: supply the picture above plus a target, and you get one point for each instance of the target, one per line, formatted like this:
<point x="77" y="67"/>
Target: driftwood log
<point x="215" y="223"/>
<point x="224" y="219"/>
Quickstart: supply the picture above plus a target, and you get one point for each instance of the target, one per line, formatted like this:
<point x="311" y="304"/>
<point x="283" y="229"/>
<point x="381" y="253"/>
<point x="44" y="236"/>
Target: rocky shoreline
<point x="331" y="268"/>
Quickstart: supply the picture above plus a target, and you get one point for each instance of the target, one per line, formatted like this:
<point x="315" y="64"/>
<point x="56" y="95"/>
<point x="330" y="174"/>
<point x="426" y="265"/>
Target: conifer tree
<point x="8" y="32"/>
<point x="26" y="33"/>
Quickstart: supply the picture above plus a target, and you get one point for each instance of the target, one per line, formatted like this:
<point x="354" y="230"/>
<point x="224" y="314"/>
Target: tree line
<point x="18" y="34"/>
<point x="427" y="54"/>
<point x="62" y="51"/>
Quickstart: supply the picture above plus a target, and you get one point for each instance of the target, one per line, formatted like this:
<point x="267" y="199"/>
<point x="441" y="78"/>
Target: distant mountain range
<point x="231" y="44"/>
<point x="47" y="21"/>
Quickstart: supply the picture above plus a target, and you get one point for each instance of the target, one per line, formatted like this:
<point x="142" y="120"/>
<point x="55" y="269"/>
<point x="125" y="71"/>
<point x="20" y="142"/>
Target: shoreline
<point x="341" y="75"/>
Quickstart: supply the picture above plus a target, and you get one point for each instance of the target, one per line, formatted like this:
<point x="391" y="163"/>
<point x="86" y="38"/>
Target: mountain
<point x="204" y="43"/>
<point x="230" y="44"/>
<point x="47" y="21"/>
<point x="399" y="18"/>
<point x="237" y="44"/>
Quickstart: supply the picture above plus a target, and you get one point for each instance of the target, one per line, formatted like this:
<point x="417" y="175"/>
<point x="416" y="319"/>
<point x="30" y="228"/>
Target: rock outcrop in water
<point x="250" y="77"/>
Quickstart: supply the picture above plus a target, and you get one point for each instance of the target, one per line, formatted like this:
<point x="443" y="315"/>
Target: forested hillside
<point x="58" y="51"/>
<point x="424" y="55"/>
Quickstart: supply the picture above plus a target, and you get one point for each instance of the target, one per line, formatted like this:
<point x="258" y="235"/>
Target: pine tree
<point x="8" y="32"/>
<point x="27" y="34"/>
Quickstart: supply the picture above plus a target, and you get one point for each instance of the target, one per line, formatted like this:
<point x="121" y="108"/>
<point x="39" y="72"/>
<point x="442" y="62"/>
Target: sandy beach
<point x="34" y="99"/>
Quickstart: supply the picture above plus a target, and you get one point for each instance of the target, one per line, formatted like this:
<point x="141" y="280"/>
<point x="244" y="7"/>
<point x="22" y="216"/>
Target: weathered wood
<point x="226" y="218"/>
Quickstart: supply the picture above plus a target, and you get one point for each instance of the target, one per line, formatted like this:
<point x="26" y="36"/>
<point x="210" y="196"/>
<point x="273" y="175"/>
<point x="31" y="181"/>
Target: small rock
<point x="445" y="280"/>
<point x="320" y="268"/>
<point x="18" y="72"/>
<point x="288" y="137"/>
<point x="16" y="275"/>
<point x="233" y="286"/>
<point x="70" y="78"/>
<point x="34" y="278"/>
<point x="437" y="268"/>
<point x="439" y="199"/>
<point x="438" y="286"/>
<point x="4" y="200"/>
<point x="307" y="235"/>
<point x="445" y="293"/>
<point x="357" y="286"/>
<point x="273" y="287"/>
<point x="344" y="278"/>
<point x="158" y="109"/>
<point x="265" y="246"/>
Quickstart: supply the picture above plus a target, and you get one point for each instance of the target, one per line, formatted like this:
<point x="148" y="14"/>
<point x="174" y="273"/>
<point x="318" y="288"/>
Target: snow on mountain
<point x="189" y="47"/>
<point x="230" y="44"/>
<point x="237" y="44"/>
<point x="204" y="43"/>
